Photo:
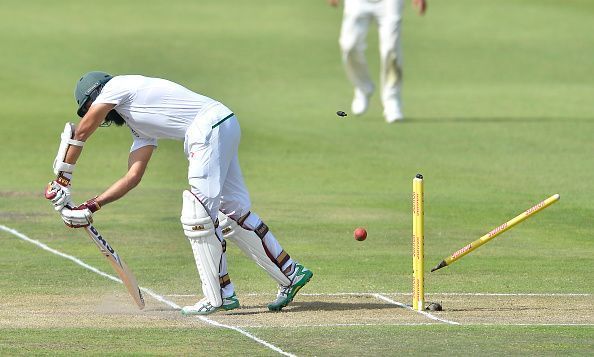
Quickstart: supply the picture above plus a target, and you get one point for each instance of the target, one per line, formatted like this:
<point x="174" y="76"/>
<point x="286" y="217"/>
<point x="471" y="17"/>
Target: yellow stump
<point x="418" y="198"/>
<point x="497" y="231"/>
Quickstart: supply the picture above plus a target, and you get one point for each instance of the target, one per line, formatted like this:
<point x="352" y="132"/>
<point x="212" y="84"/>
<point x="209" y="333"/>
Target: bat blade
<point x="118" y="265"/>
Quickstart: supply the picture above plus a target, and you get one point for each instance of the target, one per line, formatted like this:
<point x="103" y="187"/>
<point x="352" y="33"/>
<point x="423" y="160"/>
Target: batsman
<point x="215" y="209"/>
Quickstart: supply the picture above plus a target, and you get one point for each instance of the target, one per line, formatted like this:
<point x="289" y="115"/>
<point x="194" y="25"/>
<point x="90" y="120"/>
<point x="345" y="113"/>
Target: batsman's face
<point x="85" y="108"/>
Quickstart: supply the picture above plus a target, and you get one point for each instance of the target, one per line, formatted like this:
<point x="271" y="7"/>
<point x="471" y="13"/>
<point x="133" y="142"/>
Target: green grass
<point x="437" y="340"/>
<point x="498" y="99"/>
<point x="407" y="340"/>
<point x="133" y="341"/>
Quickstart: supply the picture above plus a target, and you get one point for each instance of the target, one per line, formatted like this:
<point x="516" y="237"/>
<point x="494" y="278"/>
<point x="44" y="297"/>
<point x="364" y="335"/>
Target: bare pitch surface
<point x="114" y="310"/>
<point x="352" y="309"/>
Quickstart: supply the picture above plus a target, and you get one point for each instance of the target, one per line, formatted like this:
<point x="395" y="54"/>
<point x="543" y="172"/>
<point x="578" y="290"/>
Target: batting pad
<point x="252" y="246"/>
<point x="207" y="249"/>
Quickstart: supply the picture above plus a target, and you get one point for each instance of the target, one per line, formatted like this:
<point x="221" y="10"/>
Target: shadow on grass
<point x="319" y="306"/>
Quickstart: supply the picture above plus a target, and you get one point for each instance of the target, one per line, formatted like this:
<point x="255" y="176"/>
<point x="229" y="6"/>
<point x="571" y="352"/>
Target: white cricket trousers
<point x="211" y="146"/>
<point x="358" y="15"/>
<point x="214" y="174"/>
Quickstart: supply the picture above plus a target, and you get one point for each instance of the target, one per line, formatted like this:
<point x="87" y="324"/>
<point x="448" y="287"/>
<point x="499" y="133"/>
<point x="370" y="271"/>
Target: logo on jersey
<point x="134" y="133"/>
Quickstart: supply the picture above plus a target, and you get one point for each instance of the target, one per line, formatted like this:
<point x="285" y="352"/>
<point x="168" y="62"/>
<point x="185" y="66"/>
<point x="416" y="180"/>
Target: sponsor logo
<point x="63" y="181"/>
<point x="134" y="133"/>
<point x="535" y="208"/>
<point x="498" y="230"/>
<point x="104" y="243"/>
<point x="462" y="251"/>
<point x="198" y="228"/>
<point x="415" y="201"/>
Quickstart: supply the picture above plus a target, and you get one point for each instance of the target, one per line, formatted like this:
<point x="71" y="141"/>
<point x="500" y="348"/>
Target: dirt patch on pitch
<point x="109" y="310"/>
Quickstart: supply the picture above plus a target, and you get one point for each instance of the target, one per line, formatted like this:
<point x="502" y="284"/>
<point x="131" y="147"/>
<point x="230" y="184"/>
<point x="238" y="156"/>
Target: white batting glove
<point x="59" y="195"/>
<point x="80" y="216"/>
<point x="75" y="218"/>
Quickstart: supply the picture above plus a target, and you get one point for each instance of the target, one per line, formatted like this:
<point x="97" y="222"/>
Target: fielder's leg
<point x="353" y="33"/>
<point x="389" y="17"/>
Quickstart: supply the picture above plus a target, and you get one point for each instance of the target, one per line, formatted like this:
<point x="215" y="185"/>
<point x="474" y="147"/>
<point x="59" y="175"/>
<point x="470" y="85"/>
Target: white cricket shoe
<point x="394" y="117"/>
<point x="393" y="111"/>
<point x="360" y="102"/>
<point x="204" y="307"/>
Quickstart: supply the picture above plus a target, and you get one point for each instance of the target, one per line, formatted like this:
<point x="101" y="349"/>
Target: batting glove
<point x="81" y="215"/>
<point x="59" y="195"/>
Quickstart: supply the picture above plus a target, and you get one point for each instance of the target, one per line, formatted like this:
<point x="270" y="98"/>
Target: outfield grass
<point x="498" y="99"/>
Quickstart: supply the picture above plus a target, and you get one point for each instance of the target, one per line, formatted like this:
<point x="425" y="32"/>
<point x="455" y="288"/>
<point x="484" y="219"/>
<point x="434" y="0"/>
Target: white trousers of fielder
<point x="357" y="17"/>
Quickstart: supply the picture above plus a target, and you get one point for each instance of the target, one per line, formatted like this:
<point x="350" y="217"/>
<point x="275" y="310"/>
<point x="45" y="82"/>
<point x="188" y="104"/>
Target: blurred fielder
<point x="358" y="14"/>
<point x="217" y="206"/>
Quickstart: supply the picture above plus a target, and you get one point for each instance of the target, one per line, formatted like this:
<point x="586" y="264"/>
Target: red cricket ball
<point x="360" y="234"/>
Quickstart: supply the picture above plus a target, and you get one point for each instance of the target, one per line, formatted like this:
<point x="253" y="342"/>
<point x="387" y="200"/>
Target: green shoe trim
<point x="233" y="305"/>
<point x="280" y="303"/>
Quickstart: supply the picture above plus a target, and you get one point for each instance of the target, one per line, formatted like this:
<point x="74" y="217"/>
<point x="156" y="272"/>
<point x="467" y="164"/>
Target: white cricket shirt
<point x="153" y="108"/>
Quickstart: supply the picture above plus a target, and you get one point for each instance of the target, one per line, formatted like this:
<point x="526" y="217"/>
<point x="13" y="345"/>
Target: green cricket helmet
<point x="88" y="88"/>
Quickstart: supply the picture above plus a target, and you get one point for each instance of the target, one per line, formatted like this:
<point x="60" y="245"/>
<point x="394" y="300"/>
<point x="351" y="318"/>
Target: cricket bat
<point x="118" y="265"/>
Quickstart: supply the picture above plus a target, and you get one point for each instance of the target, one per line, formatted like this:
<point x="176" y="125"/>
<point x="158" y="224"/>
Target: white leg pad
<point x="207" y="249"/>
<point x="252" y="246"/>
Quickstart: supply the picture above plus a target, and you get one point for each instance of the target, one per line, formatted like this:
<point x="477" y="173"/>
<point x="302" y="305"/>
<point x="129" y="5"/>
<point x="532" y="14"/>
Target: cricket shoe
<point x="360" y="102"/>
<point x="204" y="307"/>
<point x="286" y="293"/>
<point x="393" y="110"/>
<point x="394" y="117"/>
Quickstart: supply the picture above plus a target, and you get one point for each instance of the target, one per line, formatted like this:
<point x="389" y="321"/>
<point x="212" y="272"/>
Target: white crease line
<point x="433" y="317"/>
<point x="513" y="294"/>
<point x="345" y="325"/>
<point x="409" y="294"/>
<point x="439" y="294"/>
<point x="416" y="324"/>
<point x="531" y="324"/>
<point x="148" y="291"/>
<point x="427" y="294"/>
